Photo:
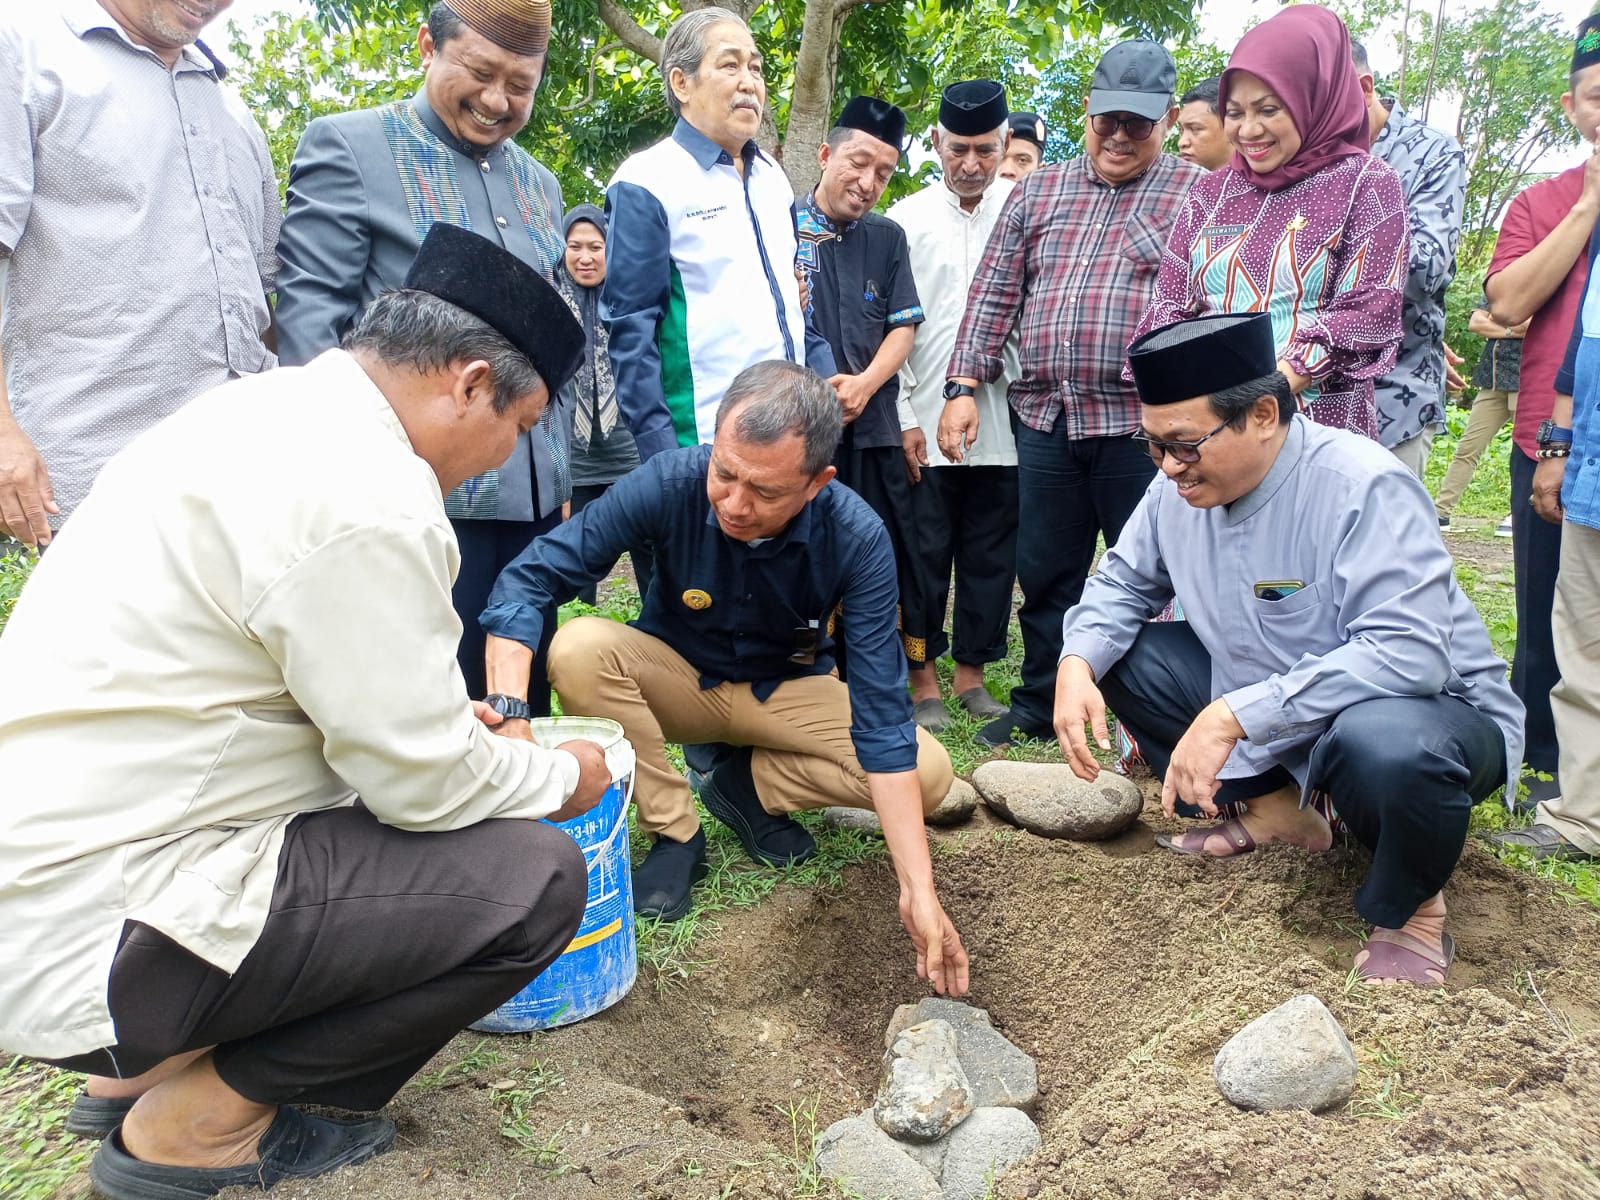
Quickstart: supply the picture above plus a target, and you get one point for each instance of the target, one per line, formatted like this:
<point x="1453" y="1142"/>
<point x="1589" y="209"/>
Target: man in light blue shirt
<point x="1327" y="648"/>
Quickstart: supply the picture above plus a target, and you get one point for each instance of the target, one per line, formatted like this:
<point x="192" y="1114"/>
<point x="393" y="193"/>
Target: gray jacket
<point x="356" y="216"/>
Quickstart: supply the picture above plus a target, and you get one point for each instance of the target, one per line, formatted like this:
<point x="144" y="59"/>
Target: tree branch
<point x="629" y="32"/>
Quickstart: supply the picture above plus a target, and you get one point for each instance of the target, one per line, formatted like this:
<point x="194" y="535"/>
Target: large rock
<point x="998" y="1073"/>
<point x="1295" y="1056"/>
<point x="868" y="1162"/>
<point x="959" y="803"/>
<point x="845" y="817"/>
<point x="957" y="806"/>
<point x="1048" y="799"/>
<point x="982" y="1148"/>
<point x="924" y="1093"/>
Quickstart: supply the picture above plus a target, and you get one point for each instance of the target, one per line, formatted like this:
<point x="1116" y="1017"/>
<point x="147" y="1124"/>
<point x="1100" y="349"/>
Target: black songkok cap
<point x="973" y="107"/>
<point x="468" y="270"/>
<point x="1586" y="52"/>
<point x="1029" y="127"/>
<point x="878" y="117"/>
<point x="1202" y="356"/>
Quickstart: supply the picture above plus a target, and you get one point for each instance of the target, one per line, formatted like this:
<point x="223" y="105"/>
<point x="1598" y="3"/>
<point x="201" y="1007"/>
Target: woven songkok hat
<point x="520" y="26"/>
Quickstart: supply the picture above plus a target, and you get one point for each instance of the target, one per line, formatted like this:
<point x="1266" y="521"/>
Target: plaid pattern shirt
<point x="1074" y="259"/>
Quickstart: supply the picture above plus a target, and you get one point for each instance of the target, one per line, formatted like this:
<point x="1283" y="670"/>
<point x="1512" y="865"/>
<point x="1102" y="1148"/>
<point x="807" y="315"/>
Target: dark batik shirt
<point x="861" y="289"/>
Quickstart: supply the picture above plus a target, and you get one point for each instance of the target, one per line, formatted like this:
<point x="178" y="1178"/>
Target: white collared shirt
<point x="946" y="244"/>
<point x="214" y="644"/>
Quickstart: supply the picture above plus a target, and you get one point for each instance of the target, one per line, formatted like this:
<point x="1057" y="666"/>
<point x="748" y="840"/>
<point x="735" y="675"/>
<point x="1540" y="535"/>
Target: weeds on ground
<point x="1389" y="1096"/>
<point x="516" y="1098"/>
<point x="37" y="1156"/>
<point x="16" y="564"/>
<point x="800" y="1161"/>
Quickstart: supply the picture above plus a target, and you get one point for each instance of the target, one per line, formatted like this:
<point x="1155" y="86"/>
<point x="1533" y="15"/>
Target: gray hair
<point x="684" y="47"/>
<point x="1002" y="131"/>
<point x="420" y="332"/>
<point x="771" y="400"/>
<point x="1359" y="59"/>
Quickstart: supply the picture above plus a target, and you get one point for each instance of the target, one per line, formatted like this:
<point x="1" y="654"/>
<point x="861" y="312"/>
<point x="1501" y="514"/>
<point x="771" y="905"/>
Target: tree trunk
<point x="811" y="101"/>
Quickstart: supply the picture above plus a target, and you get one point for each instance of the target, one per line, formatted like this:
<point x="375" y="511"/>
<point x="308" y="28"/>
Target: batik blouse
<point x="1326" y="257"/>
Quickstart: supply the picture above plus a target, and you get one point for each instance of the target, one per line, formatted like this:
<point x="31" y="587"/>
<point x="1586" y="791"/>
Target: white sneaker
<point x="1504" y="528"/>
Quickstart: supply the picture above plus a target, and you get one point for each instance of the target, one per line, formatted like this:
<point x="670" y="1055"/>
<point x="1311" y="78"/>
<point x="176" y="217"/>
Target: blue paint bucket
<point x="598" y="967"/>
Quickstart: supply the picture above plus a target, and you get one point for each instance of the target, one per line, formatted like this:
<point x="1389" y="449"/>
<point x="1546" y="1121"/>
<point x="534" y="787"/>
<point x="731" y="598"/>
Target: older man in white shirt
<point x="966" y="512"/>
<point x="209" y="667"/>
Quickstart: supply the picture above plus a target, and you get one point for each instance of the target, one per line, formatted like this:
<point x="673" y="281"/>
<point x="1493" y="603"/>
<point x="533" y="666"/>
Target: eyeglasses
<point x="1107" y="124"/>
<point x="1184" y="452"/>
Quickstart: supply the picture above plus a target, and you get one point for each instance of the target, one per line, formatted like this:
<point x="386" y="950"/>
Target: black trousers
<point x="486" y="548"/>
<point x="1403" y="772"/>
<point x="878" y="475"/>
<point x="644" y="561"/>
<point x="1536" y="559"/>
<point x="1072" y="491"/>
<point x="381" y="946"/>
<point x="966" y="518"/>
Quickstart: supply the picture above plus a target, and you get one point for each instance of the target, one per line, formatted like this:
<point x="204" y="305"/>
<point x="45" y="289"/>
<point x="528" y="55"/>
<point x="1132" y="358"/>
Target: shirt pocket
<point x="1143" y="242"/>
<point x="1295" y="623"/>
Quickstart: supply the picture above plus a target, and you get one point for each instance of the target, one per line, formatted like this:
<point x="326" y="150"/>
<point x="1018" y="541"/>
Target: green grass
<point x="36" y="1155"/>
<point x="15" y="567"/>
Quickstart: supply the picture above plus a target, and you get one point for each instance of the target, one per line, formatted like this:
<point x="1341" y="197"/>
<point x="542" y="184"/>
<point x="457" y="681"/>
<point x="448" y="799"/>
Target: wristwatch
<point x="1551" y="434"/>
<point x="952" y="389"/>
<point x="509" y="707"/>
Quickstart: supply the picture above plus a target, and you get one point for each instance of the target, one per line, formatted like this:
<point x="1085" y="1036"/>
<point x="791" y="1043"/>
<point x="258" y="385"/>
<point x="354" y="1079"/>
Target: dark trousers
<point x="966" y="518"/>
<point x="1403" y="772"/>
<point x="1072" y="491"/>
<point x="878" y="475"/>
<point x="1536" y="560"/>
<point x="381" y="946"/>
<point x="644" y="562"/>
<point x="486" y="548"/>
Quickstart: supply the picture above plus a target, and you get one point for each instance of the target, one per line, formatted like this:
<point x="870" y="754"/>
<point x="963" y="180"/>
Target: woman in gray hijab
<point x="602" y="447"/>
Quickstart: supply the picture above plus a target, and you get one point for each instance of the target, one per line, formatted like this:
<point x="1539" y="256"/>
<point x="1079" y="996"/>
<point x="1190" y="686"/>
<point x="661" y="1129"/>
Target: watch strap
<point x="510" y="707"/>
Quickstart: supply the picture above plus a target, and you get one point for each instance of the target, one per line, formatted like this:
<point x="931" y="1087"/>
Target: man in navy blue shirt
<point x="761" y="562"/>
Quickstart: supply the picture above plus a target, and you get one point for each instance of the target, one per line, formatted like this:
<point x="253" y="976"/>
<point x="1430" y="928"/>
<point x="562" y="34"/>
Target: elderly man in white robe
<point x="1327" y="648"/>
<point x="203" y="674"/>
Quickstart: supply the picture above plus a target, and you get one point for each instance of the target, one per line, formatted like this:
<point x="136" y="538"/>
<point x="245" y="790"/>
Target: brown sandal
<point x="1192" y="841"/>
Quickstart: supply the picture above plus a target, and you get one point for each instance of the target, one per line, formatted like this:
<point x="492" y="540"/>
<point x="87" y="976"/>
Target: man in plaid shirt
<point x="1073" y="259"/>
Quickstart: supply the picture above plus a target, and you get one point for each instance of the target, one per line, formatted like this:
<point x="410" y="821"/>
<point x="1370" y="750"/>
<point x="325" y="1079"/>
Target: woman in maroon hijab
<point x="1302" y="223"/>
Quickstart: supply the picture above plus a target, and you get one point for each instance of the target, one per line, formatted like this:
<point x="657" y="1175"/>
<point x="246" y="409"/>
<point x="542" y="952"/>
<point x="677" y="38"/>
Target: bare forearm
<point x="1521" y="289"/>
<point x="507" y="664"/>
<point x="897" y="797"/>
<point x="1561" y="414"/>
<point x="891" y="356"/>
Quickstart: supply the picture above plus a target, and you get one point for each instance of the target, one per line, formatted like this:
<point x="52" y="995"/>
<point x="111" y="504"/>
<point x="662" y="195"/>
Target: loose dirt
<point x="1122" y="968"/>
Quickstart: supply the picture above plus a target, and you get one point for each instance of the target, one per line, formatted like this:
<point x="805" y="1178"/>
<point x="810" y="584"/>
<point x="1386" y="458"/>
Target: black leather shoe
<point x="1007" y="729"/>
<point x="295" y="1146"/>
<point x="96" y="1116"/>
<point x="662" y="882"/>
<point x="730" y="796"/>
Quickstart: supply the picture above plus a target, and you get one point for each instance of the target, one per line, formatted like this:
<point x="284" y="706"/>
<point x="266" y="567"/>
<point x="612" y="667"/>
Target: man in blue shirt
<point x="761" y="560"/>
<point x="1566" y="492"/>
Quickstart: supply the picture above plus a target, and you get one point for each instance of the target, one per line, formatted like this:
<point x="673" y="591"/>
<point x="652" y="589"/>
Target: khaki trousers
<point x="1575" y="701"/>
<point x="803" y="758"/>
<point x="1491" y="409"/>
<point x="1413" y="452"/>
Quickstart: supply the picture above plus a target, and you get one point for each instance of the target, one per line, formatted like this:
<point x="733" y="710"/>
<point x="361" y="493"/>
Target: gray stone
<point x="1295" y="1056"/>
<point x="959" y="803"/>
<point x="929" y="1154"/>
<point x="864" y="1159"/>
<point x="1048" y="799"/>
<point x="845" y="817"/>
<point x="999" y="1074"/>
<point x="982" y="1148"/>
<point x="924" y="1093"/>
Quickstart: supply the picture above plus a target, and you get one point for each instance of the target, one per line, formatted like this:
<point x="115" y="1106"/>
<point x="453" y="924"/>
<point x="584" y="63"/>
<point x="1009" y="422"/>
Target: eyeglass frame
<point x="1122" y="123"/>
<point x="1158" y="448"/>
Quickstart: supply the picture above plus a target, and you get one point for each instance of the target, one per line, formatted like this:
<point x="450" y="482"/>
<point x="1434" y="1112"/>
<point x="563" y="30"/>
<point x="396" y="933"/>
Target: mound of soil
<point x="1122" y="968"/>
